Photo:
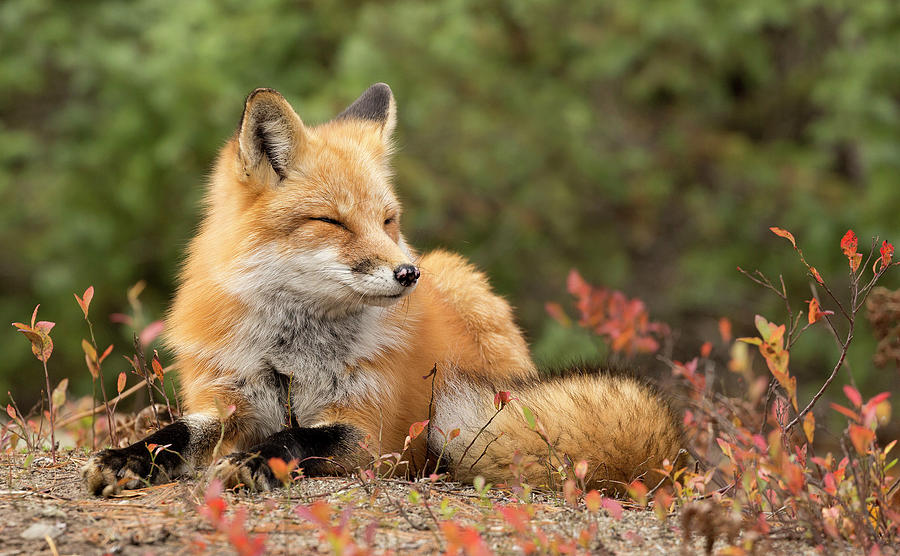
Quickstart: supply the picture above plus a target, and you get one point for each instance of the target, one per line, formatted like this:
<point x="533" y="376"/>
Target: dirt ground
<point x="43" y="510"/>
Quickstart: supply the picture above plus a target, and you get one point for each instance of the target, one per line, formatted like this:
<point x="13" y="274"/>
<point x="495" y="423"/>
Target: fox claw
<point x="109" y="471"/>
<point x="244" y="471"/>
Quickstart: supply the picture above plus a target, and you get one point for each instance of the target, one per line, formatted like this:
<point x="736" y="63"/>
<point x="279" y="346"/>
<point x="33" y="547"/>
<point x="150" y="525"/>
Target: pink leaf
<point x="853" y="395"/>
<point x="416" y="428"/>
<point x="613" y="507"/>
<point x="85" y="300"/>
<point x="150" y="332"/>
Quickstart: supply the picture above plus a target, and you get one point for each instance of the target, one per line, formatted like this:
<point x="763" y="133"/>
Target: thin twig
<point x="472" y="443"/>
<point x="827" y="383"/>
<point x="87" y="413"/>
<point x="484" y="452"/>
<point x="49" y="403"/>
<point x="142" y="366"/>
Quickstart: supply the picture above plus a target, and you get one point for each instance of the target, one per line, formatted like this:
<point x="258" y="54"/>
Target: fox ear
<point x="377" y="105"/>
<point x="270" y="137"/>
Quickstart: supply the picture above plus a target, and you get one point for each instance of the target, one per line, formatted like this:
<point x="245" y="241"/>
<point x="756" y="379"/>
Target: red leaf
<point x="638" y="492"/>
<point x="849" y="243"/>
<point x="157" y="366"/>
<point x="861" y="437"/>
<point x="725" y="329"/>
<point x="830" y="484"/>
<point x="793" y="474"/>
<point x="853" y="395"/>
<point x="501" y="399"/>
<point x="555" y="310"/>
<point x="106" y="353"/>
<point x="870" y="411"/>
<point x="705" y="349"/>
<point x="281" y="469"/>
<point x="516" y="516"/>
<point x="816" y="275"/>
<point x="878" y="398"/>
<point x="319" y="512"/>
<point x="576" y="284"/>
<point x="416" y="428"/>
<point x="814" y="314"/>
<point x="11" y="411"/>
<point x="785" y="234"/>
<point x="844" y="411"/>
<point x="887" y="253"/>
<point x="85" y="300"/>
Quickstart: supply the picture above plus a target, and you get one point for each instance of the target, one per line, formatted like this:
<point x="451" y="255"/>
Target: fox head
<point x="307" y="214"/>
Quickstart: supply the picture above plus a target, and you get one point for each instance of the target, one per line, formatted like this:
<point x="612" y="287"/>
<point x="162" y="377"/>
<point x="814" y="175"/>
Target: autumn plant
<point x="215" y="509"/>
<point x="754" y="453"/>
<point x="761" y="446"/>
<point x="38" y="333"/>
<point x="94" y="361"/>
<point x="622" y="322"/>
<point x="337" y="534"/>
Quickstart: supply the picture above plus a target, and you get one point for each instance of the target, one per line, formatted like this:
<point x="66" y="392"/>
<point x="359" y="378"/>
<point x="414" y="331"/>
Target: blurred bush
<point x="649" y="143"/>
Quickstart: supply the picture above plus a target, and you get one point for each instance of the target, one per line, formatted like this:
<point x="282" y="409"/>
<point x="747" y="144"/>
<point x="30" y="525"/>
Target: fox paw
<point x="243" y="470"/>
<point x="109" y="471"/>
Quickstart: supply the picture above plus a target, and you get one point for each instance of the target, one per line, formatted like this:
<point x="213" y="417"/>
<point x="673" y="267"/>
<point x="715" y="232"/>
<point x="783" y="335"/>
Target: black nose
<point x="406" y="274"/>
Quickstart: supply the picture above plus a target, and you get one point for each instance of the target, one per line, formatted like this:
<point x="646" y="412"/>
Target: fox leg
<point x="322" y="450"/>
<point x="179" y="447"/>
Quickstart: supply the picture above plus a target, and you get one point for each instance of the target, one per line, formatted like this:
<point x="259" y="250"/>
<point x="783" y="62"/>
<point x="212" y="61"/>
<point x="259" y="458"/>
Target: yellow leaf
<point x="785" y="234"/>
<point x="809" y="426"/>
<point x="89" y="350"/>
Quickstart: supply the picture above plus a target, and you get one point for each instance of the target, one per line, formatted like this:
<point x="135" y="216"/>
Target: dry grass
<point x="164" y="519"/>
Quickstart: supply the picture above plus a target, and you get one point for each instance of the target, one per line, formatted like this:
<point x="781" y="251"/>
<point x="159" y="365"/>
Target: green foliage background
<point x="648" y="143"/>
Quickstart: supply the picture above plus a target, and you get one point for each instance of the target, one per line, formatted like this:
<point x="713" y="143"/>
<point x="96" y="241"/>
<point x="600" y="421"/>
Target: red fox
<point x="302" y="306"/>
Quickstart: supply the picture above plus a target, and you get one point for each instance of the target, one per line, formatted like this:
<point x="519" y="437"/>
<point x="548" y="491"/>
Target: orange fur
<point x="266" y="206"/>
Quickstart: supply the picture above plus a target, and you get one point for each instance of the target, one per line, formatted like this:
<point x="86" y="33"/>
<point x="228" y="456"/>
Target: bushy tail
<point x="621" y="426"/>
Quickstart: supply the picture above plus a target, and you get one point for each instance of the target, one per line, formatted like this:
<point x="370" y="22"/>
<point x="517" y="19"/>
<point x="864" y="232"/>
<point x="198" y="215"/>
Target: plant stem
<point x="113" y="437"/>
<point x="472" y="443"/>
<point x="50" y="405"/>
<point x="142" y="365"/>
<point x="828" y="382"/>
<point x="99" y="408"/>
<point x="93" y="414"/>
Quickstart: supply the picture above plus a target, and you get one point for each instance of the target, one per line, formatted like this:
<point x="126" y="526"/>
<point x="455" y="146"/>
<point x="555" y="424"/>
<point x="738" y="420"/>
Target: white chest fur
<point x="283" y="355"/>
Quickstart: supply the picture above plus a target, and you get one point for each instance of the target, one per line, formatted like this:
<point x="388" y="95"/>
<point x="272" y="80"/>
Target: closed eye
<point x="327" y="220"/>
<point x="389" y="221"/>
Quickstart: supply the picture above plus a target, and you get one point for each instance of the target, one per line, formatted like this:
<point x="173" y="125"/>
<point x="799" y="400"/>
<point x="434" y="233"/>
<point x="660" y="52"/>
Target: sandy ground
<point x="47" y="501"/>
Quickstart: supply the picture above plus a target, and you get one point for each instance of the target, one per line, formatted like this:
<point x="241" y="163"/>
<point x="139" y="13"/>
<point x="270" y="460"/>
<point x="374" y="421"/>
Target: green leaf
<point x="529" y="417"/>
<point x="765" y="330"/>
<point x="59" y="393"/>
<point x="750" y="340"/>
